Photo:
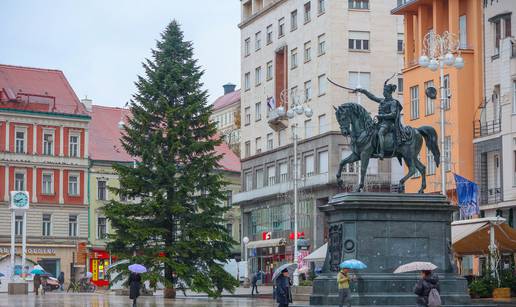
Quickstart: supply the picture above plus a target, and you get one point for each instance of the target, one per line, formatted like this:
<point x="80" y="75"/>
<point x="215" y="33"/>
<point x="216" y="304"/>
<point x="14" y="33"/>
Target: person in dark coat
<point x="283" y="294"/>
<point x="37" y="283"/>
<point x="61" y="279"/>
<point x="423" y="287"/>
<point x="257" y="276"/>
<point x="135" y="282"/>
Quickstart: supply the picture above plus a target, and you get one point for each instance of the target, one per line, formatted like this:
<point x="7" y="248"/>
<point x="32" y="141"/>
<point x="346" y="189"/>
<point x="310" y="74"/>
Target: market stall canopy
<point x="266" y="243"/>
<point x="471" y="237"/>
<point x="318" y="255"/>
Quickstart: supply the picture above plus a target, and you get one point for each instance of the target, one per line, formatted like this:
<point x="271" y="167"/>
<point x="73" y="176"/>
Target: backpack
<point x="434" y="299"/>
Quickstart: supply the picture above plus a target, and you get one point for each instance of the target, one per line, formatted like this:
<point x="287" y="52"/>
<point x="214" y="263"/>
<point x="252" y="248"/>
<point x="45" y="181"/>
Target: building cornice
<point x="260" y="13"/>
<point x="42" y="161"/>
<point x="49" y="114"/>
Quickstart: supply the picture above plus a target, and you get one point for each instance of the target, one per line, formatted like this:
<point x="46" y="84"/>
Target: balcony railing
<point x="485" y="128"/>
<point x="491" y="196"/>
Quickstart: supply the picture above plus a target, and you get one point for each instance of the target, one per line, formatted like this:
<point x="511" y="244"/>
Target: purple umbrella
<point x="137" y="268"/>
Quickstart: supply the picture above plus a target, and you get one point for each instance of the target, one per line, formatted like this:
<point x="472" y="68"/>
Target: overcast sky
<point x="100" y="44"/>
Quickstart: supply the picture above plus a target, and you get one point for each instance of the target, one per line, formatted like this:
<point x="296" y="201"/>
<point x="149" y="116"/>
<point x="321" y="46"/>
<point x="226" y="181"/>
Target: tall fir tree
<point x="177" y="223"/>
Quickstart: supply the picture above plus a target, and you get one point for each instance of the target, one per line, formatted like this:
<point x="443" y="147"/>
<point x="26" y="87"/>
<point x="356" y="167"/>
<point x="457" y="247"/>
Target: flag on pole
<point x="271" y="103"/>
<point x="467" y="194"/>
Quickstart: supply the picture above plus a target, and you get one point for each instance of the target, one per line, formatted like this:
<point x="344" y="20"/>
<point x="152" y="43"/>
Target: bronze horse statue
<point x="355" y="121"/>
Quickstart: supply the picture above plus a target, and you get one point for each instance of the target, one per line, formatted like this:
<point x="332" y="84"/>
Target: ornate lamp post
<point x="296" y="109"/>
<point x="438" y="51"/>
<point x="245" y="240"/>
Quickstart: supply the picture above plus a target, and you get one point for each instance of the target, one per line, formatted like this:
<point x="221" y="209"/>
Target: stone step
<point x="302" y="290"/>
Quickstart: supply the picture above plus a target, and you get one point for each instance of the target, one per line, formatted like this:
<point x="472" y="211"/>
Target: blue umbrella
<point x="137" y="268"/>
<point x="38" y="272"/>
<point x="353" y="264"/>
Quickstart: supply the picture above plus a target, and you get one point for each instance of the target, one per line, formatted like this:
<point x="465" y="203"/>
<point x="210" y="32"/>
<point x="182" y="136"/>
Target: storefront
<point x="99" y="260"/>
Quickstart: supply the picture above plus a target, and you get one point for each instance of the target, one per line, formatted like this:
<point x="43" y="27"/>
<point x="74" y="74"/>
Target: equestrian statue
<point x="384" y="136"/>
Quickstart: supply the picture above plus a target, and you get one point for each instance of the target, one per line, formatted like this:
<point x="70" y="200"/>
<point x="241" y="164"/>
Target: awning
<point x="266" y="243"/>
<point x="471" y="237"/>
<point x="318" y="255"/>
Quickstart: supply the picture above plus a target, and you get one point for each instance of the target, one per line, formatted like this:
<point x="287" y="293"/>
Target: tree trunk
<point x="169" y="292"/>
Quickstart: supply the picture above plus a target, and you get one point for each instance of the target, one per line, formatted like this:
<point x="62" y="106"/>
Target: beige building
<point x="288" y="50"/>
<point x="226" y="113"/>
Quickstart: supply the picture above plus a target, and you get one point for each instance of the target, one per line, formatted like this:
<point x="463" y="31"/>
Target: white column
<point x="85" y="190"/>
<point x="61" y="141"/>
<point x="61" y="192"/>
<point x="34" y="138"/>
<point x="7" y="135"/>
<point x="24" y="239"/>
<point x="13" y="238"/>
<point x="34" y="184"/>
<point x="86" y="139"/>
<point x="6" y="186"/>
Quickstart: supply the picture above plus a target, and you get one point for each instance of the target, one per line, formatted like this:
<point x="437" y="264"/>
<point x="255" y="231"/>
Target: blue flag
<point x="467" y="194"/>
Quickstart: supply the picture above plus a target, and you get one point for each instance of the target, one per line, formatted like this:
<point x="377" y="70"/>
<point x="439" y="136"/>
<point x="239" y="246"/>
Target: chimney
<point x="87" y="103"/>
<point x="228" y="88"/>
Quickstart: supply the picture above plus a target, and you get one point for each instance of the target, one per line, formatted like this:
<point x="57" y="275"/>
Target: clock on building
<point x="19" y="200"/>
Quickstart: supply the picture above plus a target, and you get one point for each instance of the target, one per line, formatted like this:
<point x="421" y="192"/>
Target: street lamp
<point x="245" y="240"/>
<point x="438" y="51"/>
<point x="297" y="109"/>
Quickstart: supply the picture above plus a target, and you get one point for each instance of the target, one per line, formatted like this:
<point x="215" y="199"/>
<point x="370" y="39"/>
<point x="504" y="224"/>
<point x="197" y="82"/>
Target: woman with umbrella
<point x="283" y="294"/>
<point x="135" y="281"/>
<point x="425" y="284"/>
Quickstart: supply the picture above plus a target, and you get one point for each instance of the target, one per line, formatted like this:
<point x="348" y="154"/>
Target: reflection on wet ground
<point x="109" y="300"/>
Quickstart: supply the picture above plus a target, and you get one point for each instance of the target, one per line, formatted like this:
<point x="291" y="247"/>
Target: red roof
<point x="104" y="139"/>
<point x="38" y="89"/>
<point x="226" y="100"/>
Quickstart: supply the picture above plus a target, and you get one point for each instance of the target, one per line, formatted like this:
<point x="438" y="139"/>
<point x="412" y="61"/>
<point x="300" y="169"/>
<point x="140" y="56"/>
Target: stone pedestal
<point x="16" y="288"/>
<point x="385" y="230"/>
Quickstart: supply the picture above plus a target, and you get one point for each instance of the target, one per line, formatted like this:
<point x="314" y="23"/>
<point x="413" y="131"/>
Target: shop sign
<point x="30" y="250"/>
<point x="266" y="235"/>
<point x="299" y="235"/>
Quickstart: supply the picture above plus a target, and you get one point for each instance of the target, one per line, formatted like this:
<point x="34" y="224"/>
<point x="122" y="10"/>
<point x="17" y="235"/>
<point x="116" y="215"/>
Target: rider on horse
<point x="389" y="114"/>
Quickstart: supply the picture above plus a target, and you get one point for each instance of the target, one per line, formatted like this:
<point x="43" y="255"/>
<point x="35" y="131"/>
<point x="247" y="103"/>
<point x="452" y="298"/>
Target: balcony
<point x="491" y="196"/>
<point x="485" y="128"/>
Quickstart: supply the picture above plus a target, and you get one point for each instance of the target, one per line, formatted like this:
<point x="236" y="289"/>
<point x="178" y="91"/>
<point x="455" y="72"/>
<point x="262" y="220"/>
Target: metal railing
<point x="481" y="128"/>
<point x="491" y="196"/>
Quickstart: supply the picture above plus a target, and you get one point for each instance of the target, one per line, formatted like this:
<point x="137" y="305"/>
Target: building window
<point x="447" y="153"/>
<point x="323" y="124"/>
<point x="247" y="46"/>
<point x="47" y="184"/>
<point x="321" y="84"/>
<point x="229" y="229"/>
<point x="247" y="150"/>
<point x="74" y="146"/>
<point x="258" y="76"/>
<point x="446" y="92"/>
<point x="309" y="166"/>
<point x="20" y="140"/>
<point x="293" y="58"/>
<point x="269" y="34"/>
<point x="282" y="137"/>
<point x="269" y="70"/>
<point x="401" y="46"/>
<point x="429" y="103"/>
<point x="257" y="40"/>
<point x="358" y="40"/>
<point x="18" y="225"/>
<point x="270" y="141"/>
<point x="323" y="162"/>
<point x="101" y="228"/>
<point x="308" y="90"/>
<point x="271" y="175"/>
<point x="259" y="178"/>
<point x="19" y="181"/>
<point x="358" y="4"/>
<point x="514" y="96"/>
<point x="359" y="79"/>
<point x="72" y="226"/>
<point x="46" y="225"/>
<point x="101" y="190"/>
<point x="497" y="35"/>
<point x="248" y="181"/>
<point x="48" y="143"/>
<point x="321" y="8"/>
<point x="247" y="116"/>
<point x="307" y="12"/>
<point x="281" y="27"/>
<point x="414" y="102"/>
<point x="463" y="35"/>
<point x="258" y="145"/>
<point x="308" y="52"/>
<point x="293" y="20"/>
<point x="258" y="111"/>
<point x="308" y="128"/>
<point x="247" y="81"/>
<point x="430" y="163"/>
<point x="73" y="185"/>
<point x="283" y="171"/>
<point x="507" y="25"/>
<point x="321" y="44"/>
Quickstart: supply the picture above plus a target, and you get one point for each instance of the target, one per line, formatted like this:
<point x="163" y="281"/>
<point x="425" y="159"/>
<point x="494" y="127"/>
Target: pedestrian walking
<point x="283" y="294"/>
<point x="37" y="282"/>
<point x="343" y="281"/>
<point x="61" y="280"/>
<point x="178" y="284"/>
<point x="254" y="280"/>
<point x="135" y="281"/>
<point x="424" y="287"/>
